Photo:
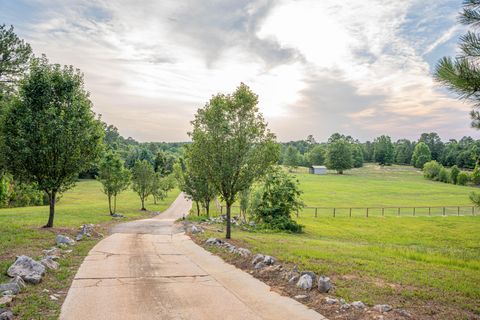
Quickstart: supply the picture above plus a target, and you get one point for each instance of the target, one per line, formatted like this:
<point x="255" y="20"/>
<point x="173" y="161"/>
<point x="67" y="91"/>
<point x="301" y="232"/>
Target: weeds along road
<point x="149" y="269"/>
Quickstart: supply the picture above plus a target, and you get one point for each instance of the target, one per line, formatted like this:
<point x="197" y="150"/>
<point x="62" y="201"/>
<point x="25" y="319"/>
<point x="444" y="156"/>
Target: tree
<point x="15" y="56"/>
<point x="161" y="186"/>
<point x="383" y="150"/>
<point x="316" y="156"/>
<point x="235" y="146"/>
<point x="461" y="75"/>
<point x="291" y="157"/>
<point x="143" y="177"/>
<point x="50" y="130"/>
<point x="339" y="156"/>
<point x="357" y="156"/>
<point x="421" y="155"/>
<point x="403" y="151"/>
<point x="476" y="175"/>
<point x="434" y="143"/>
<point x="454" y="172"/>
<point x="368" y="151"/>
<point x="431" y="170"/>
<point x="114" y="177"/>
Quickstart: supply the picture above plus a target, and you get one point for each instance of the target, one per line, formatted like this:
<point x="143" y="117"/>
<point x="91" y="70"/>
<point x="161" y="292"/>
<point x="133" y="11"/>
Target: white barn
<point x="318" y="170"/>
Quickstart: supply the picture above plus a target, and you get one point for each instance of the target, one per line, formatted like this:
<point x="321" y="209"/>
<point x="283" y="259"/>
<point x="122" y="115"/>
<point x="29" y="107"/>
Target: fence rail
<point x="378" y="211"/>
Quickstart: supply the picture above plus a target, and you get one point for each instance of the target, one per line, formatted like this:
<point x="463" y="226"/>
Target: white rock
<point x="258" y="257"/>
<point x="358" y="304"/>
<point x="53" y="297"/>
<point x="324" y="284"/>
<point x="6" y="300"/>
<point x="194" y="229"/>
<point x="305" y="282"/>
<point x="244" y="252"/>
<point x="49" y="263"/>
<point x="268" y="260"/>
<point x="28" y="269"/>
<point x="382" y="308"/>
<point x="61" y="239"/>
<point x="329" y="300"/>
<point x="301" y="297"/>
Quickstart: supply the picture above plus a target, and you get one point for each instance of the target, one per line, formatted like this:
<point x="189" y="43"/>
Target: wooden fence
<point x="378" y="211"/>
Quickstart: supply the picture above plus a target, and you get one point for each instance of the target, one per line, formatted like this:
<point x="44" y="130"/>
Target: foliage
<point x="234" y="145"/>
<point x="383" y="150"/>
<point x="357" y="156"/>
<point x="421" y="155"/>
<point x="454" y="172"/>
<point x="279" y="196"/>
<point x="431" y="170"/>
<point x="463" y="178"/>
<point x="67" y="138"/>
<point x="161" y="186"/>
<point x="403" y="151"/>
<point x="114" y="177"/>
<point x="316" y="156"/>
<point x="461" y="74"/>
<point x="434" y="143"/>
<point x="475" y="198"/>
<point x="444" y="175"/>
<point x="339" y="156"/>
<point x="291" y="157"/>
<point x="476" y="175"/>
<point x="143" y="177"/>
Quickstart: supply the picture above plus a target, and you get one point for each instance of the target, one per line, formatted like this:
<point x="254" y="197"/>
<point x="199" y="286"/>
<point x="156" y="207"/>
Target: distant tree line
<point x="342" y="152"/>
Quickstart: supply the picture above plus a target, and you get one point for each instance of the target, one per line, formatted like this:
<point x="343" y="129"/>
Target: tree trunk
<point x="51" y="197"/>
<point x="198" y="208"/>
<point x="110" y="204"/>
<point x="207" y="208"/>
<point x="114" y="203"/>
<point x="228" y="235"/>
<point x="143" y="203"/>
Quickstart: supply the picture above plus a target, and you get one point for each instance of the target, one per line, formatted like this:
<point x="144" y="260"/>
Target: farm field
<point x="21" y="233"/>
<point x="427" y="265"/>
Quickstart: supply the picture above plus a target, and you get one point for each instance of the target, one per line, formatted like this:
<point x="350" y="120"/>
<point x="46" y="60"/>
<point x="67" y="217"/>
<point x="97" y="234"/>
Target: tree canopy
<point x="339" y="156"/>
<point x="383" y="150"/>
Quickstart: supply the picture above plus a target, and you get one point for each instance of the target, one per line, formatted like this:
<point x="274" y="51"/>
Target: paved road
<point x="149" y="269"/>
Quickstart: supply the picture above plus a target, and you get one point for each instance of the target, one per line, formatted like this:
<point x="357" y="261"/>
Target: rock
<point x="45" y="290"/>
<point x="293" y="279"/>
<point x="117" y="215"/>
<point x="28" y="269"/>
<point x="54" y="251"/>
<point x="64" y="240"/>
<point x="53" y="297"/>
<point x="342" y="301"/>
<point x="382" y="308"/>
<point x="268" y="260"/>
<point x="329" y="300"/>
<point x="6" y="314"/>
<point x="324" y="284"/>
<point x="252" y="224"/>
<point x="345" y="306"/>
<point x="79" y="237"/>
<point x="230" y="247"/>
<point x="49" y="263"/>
<point x="305" y="282"/>
<point x="67" y="251"/>
<point x="9" y="288"/>
<point x="244" y="252"/>
<point x="301" y="297"/>
<point x="259" y="265"/>
<point x="403" y="313"/>
<point x="358" y="304"/>
<point x="213" y="241"/>
<point x="6" y="300"/>
<point x="310" y="273"/>
<point x="258" y="257"/>
<point x="196" y="229"/>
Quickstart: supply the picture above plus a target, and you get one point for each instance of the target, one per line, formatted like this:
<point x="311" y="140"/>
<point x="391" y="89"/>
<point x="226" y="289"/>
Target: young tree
<point x="50" y="130"/>
<point x="161" y="186"/>
<point x="357" y="156"/>
<point x="235" y="143"/>
<point x="339" y="156"/>
<point x="316" y="156"/>
<point x="454" y="172"/>
<point x="421" y="155"/>
<point x="462" y="74"/>
<point x="114" y="177"/>
<point x="383" y="150"/>
<point x="291" y="157"/>
<point x="143" y="177"/>
<point x="403" y="151"/>
<point x="434" y="143"/>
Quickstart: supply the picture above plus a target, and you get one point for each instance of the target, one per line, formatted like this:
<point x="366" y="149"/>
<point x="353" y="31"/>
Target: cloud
<point x="318" y="66"/>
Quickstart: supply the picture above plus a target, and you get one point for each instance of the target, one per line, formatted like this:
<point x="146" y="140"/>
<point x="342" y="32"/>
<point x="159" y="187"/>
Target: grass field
<point x="21" y="233"/>
<point x="428" y="265"/>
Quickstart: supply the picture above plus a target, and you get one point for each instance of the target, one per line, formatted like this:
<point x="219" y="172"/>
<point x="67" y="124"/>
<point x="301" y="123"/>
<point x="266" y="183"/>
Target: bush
<point x="476" y="175"/>
<point x="431" y="170"/>
<point x="463" y="178"/>
<point x="444" y="175"/>
<point x="275" y="200"/>
<point x="454" y="172"/>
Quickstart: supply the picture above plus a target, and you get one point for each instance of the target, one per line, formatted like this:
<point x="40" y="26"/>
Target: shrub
<point x="475" y="198"/>
<point x="476" y="175"/>
<point x="444" y="175"/>
<point x="421" y="155"/>
<point x="276" y="199"/>
<point x="462" y="178"/>
<point x="454" y="172"/>
<point x="431" y="170"/>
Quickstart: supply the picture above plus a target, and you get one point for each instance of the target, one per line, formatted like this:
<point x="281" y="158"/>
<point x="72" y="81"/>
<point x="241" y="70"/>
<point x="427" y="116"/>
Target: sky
<point x="361" y="67"/>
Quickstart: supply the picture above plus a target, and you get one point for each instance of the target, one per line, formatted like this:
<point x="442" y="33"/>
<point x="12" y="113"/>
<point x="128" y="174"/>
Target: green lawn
<point x="428" y="265"/>
<point x="21" y="233"/>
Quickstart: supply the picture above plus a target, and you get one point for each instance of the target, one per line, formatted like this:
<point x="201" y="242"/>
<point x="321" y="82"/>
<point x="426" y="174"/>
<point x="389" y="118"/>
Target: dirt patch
<point x="277" y="278"/>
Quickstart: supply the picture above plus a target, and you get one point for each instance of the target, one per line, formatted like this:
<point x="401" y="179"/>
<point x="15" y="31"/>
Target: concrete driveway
<point x="149" y="269"/>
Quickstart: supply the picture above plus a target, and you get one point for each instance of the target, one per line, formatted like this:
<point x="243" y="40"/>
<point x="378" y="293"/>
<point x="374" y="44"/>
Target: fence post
<point x="444" y="211"/>
<point x="350" y="212"/>
<point x="429" y="211"/>
<point x="458" y="211"/>
<point x="367" y="212"/>
<point x="398" y="211"/>
<point x="414" y="211"/>
<point x="334" y="212"/>
<point x="383" y="212"/>
<point x="316" y="211"/>
<point x="473" y="210"/>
